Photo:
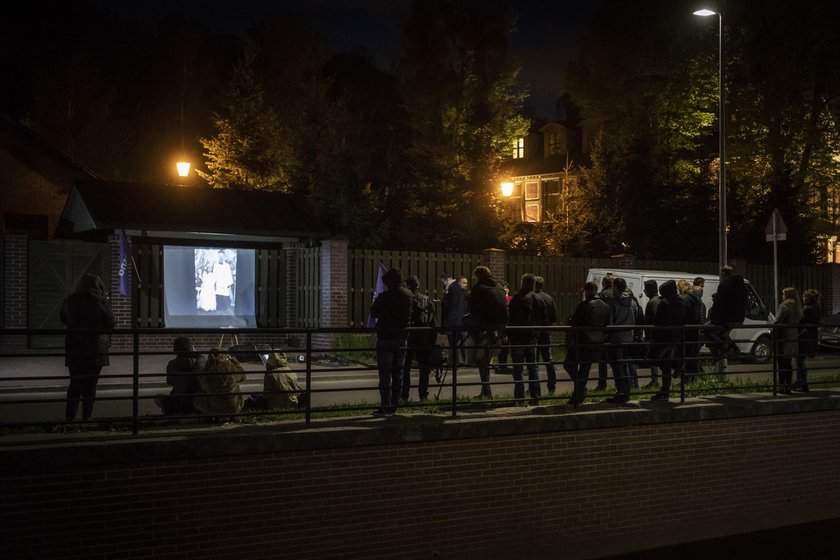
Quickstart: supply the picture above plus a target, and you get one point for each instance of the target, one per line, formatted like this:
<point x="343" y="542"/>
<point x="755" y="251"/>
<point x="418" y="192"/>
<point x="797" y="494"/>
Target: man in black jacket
<point x="546" y="316"/>
<point x="85" y="312"/>
<point x="523" y="313"/>
<point x="584" y="346"/>
<point x="666" y="344"/>
<point x="419" y="342"/>
<point x="392" y="311"/>
<point x="727" y="312"/>
<point x="486" y="318"/>
<point x="182" y="375"/>
<point x="453" y="307"/>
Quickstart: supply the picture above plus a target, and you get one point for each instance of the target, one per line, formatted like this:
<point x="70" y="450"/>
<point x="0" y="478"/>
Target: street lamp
<point x="722" y="260"/>
<point x="507" y="189"/>
<point x="183" y="168"/>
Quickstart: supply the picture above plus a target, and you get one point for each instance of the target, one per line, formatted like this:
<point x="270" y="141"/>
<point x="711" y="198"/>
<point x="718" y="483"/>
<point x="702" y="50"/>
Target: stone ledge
<point x="182" y="443"/>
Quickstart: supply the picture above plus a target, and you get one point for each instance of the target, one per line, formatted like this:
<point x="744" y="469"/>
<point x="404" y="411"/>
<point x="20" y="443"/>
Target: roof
<point x="162" y="209"/>
<point x="38" y="154"/>
<point x="554" y="164"/>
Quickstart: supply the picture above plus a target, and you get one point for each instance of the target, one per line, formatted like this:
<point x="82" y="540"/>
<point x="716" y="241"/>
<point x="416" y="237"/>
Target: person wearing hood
<point x="624" y="312"/>
<point x="787" y="337"/>
<point x="85" y="312"/>
<point x="693" y="316"/>
<point x="280" y="383"/>
<point x="181" y="375"/>
<point x="486" y="319"/>
<point x="392" y="311"/>
<point x="605" y="295"/>
<point x="727" y="312"/>
<point x="666" y="347"/>
<point x="524" y="312"/>
<point x="220" y="393"/>
<point x="651" y="290"/>
<point x="584" y="346"/>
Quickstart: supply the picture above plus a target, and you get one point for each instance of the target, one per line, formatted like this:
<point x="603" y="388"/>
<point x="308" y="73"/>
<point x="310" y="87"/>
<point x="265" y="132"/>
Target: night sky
<point x="547" y="36"/>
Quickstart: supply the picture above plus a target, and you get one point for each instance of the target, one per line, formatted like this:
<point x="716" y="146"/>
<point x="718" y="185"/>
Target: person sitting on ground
<point x="181" y="375"/>
<point x="280" y="383"/>
<point x="220" y="393"/>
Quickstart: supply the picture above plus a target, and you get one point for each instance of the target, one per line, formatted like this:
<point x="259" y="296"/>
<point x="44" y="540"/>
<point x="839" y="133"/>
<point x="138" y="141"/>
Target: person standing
<point x="546" y="316"/>
<point x="223" y="276"/>
<point x="486" y="319"/>
<point x="504" y="352"/>
<point x="392" y="309"/>
<point x="699" y="284"/>
<point x="453" y="307"/>
<point x="586" y="344"/>
<point x="605" y="295"/>
<point x="523" y="313"/>
<point x="651" y="290"/>
<point x="809" y="337"/>
<point x="727" y="312"/>
<point x="419" y="342"/>
<point x="666" y="344"/>
<point x="624" y="312"/>
<point x="86" y="312"/>
<point x="787" y="336"/>
<point x="693" y="316"/>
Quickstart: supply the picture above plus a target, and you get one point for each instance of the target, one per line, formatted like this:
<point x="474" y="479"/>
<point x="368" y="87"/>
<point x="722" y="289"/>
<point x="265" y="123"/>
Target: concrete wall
<point x="543" y="485"/>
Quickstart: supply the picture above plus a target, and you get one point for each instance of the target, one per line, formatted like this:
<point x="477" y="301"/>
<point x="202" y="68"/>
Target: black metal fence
<point x="333" y="376"/>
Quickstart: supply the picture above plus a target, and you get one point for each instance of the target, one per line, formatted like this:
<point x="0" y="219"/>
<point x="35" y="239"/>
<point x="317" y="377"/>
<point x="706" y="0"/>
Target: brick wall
<point x="334" y="290"/>
<point x="15" y="287"/>
<point x="502" y="488"/>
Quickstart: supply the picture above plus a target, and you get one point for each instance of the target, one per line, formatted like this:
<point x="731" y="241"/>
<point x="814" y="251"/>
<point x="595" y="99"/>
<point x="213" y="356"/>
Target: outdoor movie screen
<point x="209" y="287"/>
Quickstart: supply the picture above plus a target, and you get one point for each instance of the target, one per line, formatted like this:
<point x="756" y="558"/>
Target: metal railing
<point x="138" y="370"/>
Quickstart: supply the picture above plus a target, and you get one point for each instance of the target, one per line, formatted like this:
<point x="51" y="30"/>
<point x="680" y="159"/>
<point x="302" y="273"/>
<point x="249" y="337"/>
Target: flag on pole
<point x="380" y="287"/>
<point x="125" y="256"/>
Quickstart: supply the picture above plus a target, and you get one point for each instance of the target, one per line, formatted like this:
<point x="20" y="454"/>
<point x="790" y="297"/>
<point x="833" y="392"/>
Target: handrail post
<point x="309" y="376"/>
<point x="135" y="383"/>
<point x="454" y="354"/>
<point x="683" y="367"/>
<point x="773" y="349"/>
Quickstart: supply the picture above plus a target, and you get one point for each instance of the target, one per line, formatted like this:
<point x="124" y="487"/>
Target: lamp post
<point x="722" y="258"/>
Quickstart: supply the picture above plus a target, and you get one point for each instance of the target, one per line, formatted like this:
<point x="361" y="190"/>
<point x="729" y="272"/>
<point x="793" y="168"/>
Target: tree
<point x="463" y="106"/>
<point x="248" y="149"/>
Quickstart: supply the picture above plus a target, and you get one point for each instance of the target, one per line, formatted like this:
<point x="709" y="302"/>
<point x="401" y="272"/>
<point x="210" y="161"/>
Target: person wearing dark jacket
<point x="419" y="342"/>
<point x="605" y="295"/>
<point x="809" y="337"/>
<point x="453" y="307"/>
<point x="624" y="312"/>
<point x="486" y="319"/>
<point x="727" y="312"/>
<point x="666" y="343"/>
<point x="85" y="312"/>
<point x="788" y="317"/>
<point x="546" y="316"/>
<point x="392" y="311"/>
<point x="584" y="346"/>
<point x="693" y="316"/>
<point x="651" y="290"/>
<point x="523" y="313"/>
<point x="182" y="375"/>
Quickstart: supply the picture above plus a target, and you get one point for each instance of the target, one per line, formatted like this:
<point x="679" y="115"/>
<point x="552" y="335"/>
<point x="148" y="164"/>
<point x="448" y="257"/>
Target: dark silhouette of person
<point x="182" y="375"/>
<point x="86" y="312"/>
<point x="392" y="309"/>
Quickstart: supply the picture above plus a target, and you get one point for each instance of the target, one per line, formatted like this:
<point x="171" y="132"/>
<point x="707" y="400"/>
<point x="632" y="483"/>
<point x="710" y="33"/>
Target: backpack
<point x="422" y="314"/>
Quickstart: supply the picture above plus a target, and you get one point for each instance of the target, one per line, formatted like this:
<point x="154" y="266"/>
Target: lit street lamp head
<point x="507" y="189"/>
<point x="705" y="13"/>
<point x="183" y="168"/>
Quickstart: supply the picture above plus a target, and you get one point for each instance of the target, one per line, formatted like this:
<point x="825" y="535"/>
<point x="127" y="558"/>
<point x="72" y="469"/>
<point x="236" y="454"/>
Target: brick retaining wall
<point x="539" y="486"/>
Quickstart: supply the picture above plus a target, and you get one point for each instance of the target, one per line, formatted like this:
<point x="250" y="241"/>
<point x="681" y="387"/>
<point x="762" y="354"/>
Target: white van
<point x="754" y="343"/>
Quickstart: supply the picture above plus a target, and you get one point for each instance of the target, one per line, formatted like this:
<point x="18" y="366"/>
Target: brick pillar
<point x="496" y="261"/>
<point x="15" y="289"/>
<point x="334" y="288"/>
<point x="831" y="299"/>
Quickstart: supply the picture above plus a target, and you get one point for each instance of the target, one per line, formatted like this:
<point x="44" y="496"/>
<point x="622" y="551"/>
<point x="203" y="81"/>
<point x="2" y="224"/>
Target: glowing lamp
<point x="507" y="188"/>
<point x="183" y="168"/>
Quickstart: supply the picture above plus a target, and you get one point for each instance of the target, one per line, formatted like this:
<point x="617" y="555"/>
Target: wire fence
<point x="335" y="373"/>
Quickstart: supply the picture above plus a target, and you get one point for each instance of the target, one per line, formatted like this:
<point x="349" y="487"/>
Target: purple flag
<point x="380" y="287"/>
<point x="125" y="255"/>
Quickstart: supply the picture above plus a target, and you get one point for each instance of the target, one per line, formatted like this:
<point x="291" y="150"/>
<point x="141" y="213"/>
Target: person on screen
<point x="207" y="291"/>
<point x="224" y="282"/>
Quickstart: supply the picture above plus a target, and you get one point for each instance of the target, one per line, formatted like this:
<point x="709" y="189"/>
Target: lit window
<point x="519" y="148"/>
<point x="533" y="202"/>
<point x="553" y="141"/>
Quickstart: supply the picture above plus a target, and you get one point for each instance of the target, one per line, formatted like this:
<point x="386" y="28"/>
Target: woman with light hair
<point x="787" y="336"/>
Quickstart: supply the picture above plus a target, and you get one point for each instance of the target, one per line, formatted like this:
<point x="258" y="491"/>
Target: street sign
<point x="776" y="229"/>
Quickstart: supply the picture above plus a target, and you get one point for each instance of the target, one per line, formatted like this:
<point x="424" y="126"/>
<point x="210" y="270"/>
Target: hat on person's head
<point x="181" y="344"/>
<point x="413" y="282"/>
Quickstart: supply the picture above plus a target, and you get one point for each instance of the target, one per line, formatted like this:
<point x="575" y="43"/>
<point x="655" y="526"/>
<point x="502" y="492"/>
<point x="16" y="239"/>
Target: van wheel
<point x="762" y="350"/>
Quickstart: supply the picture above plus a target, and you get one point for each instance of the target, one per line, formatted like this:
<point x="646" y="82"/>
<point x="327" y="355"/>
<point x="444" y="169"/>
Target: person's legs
<point x="801" y="374"/>
<point x="654" y="376"/>
<point x="544" y="355"/>
<point x="454" y="340"/>
<point x="384" y="361"/>
<point x="785" y="368"/>
<point x="89" y="392"/>
<point x="517" y="354"/>
<point x="533" y="374"/>
<point x="603" y="359"/>
<point x="398" y="353"/>
<point x="410" y="353"/>
<point x="424" y="369"/>
<point x="74" y="393"/>
<point x="621" y="373"/>
<point x="580" y="381"/>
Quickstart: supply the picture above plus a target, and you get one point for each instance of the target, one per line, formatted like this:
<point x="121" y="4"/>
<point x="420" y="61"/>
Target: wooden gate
<point x="54" y="269"/>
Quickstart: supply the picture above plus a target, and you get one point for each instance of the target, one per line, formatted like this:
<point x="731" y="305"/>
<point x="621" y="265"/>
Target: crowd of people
<point x="610" y="329"/>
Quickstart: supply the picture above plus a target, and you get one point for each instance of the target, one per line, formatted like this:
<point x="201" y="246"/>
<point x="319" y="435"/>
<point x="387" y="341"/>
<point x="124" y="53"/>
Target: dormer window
<point x="519" y="148"/>
<point x="552" y="140"/>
